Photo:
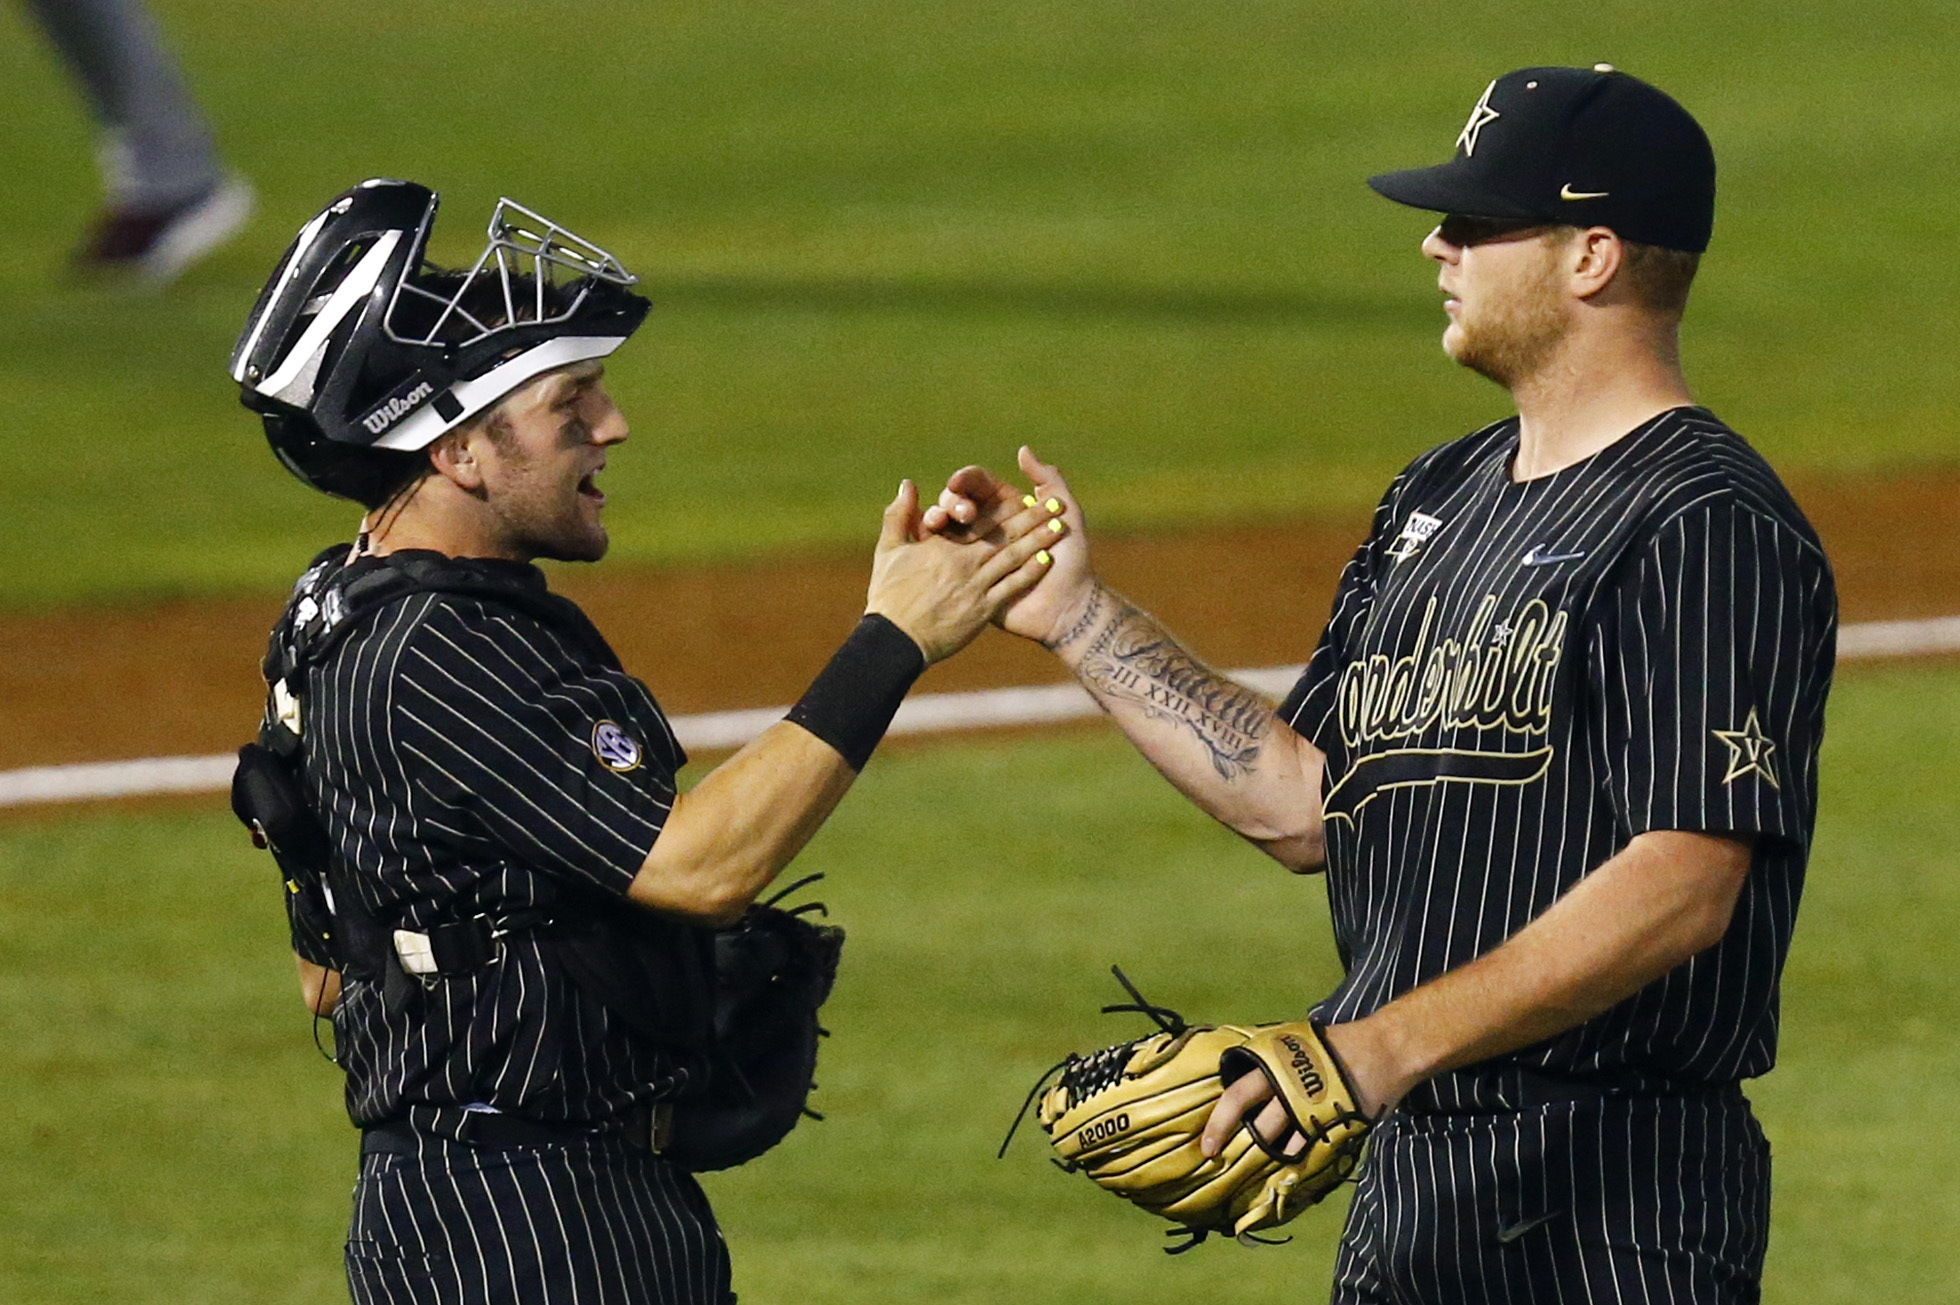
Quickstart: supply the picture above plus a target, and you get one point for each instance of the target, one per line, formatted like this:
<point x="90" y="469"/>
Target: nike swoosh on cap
<point x="1566" y="192"/>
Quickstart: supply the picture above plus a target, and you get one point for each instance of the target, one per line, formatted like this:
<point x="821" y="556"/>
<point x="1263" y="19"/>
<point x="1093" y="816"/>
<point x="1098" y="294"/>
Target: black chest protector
<point x="741" y="1003"/>
<point x="655" y="974"/>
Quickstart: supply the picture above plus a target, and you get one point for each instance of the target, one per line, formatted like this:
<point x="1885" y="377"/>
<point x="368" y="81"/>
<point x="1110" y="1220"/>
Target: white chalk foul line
<point x="1899" y="638"/>
<point x="932" y="713"/>
<point x="111" y="779"/>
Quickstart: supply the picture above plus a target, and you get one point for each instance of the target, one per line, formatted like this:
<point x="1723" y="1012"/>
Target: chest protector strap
<point x="654" y="974"/>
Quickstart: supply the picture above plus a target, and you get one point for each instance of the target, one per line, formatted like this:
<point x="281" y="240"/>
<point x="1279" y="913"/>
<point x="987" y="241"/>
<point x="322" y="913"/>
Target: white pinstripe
<point x="1696" y="595"/>
<point x="492" y="1226"/>
<point x="1678" y="1218"/>
<point x="447" y="747"/>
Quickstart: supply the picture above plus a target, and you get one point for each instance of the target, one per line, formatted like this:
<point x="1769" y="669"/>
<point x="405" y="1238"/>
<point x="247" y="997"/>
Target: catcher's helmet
<point x="359" y="353"/>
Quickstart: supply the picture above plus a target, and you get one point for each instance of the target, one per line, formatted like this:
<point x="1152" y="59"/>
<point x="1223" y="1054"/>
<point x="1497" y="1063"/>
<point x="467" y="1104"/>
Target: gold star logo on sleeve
<point x="1750" y="751"/>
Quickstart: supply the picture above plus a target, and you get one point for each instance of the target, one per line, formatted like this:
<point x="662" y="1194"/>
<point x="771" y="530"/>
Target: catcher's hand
<point x="1131" y="1117"/>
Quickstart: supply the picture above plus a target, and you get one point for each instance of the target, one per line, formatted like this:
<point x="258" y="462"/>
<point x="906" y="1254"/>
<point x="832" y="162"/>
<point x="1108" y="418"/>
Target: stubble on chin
<point x="541" y="531"/>
<point x="572" y="544"/>
<point x="1514" y="332"/>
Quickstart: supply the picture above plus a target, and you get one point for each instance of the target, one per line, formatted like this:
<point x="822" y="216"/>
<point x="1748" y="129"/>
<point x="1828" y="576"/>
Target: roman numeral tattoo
<point x="1131" y="658"/>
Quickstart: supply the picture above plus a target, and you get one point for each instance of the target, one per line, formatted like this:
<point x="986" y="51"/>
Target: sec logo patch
<point x="615" y="748"/>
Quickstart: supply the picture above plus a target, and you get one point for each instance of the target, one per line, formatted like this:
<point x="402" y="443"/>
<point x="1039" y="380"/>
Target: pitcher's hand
<point x="976" y="504"/>
<point x="943" y="589"/>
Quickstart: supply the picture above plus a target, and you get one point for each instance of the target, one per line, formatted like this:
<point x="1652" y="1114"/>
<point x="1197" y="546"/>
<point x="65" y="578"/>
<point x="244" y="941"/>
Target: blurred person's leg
<point x="168" y="200"/>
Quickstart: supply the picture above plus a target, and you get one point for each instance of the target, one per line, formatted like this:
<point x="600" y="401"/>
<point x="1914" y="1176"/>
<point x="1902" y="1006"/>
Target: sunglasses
<point x="1463" y="231"/>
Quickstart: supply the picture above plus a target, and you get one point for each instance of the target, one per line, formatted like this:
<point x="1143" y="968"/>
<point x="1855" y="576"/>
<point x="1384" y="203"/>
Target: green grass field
<point x="170" y="1134"/>
<point x="887" y="237"/>
<point x="891" y="236"/>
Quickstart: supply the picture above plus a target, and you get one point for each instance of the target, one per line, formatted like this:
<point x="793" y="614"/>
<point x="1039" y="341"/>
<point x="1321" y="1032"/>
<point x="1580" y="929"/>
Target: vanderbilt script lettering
<point x="1478" y="682"/>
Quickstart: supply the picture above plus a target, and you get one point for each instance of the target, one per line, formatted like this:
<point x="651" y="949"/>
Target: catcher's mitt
<point x="772" y="973"/>
<point x="1130" y="1117"/>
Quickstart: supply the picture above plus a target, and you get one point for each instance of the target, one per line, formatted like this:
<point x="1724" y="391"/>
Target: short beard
<point x="1517" y="332"/>
<point x="559" y="541"/>
<point x="567" y="549"/>
<point x="537" y="528"/>
<point x="533" y="517"/>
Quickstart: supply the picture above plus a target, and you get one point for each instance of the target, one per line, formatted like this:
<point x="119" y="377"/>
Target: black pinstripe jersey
<point x="1517" y="679"/>
<point x="468" y="758"/>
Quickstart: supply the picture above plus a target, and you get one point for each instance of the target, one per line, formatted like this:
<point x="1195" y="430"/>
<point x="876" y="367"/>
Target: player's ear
<point x="1594" y="257"/>
<point x="454" y="458"/>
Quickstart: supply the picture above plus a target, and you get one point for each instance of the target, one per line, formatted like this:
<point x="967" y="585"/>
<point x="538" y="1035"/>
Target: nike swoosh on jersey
<point x="1566" y="192"/>
<point x="1507" y="1235"/>
<point x="1539" y="557"/>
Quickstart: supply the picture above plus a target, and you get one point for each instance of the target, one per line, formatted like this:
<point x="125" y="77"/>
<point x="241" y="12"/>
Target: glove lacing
<point x="1084" y="1076"/>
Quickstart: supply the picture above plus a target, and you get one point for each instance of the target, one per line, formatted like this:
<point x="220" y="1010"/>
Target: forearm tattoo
<point x="1130" y="658"/>
<point x="1091" y="613"/>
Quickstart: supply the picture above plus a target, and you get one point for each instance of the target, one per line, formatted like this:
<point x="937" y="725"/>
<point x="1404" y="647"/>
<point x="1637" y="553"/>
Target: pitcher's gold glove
<point x="1130" y="1117"/>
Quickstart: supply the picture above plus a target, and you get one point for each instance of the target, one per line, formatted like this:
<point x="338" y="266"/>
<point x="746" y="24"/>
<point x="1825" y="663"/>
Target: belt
<point x="460" y="947"/>
<point x="644" y="1128"/>
<point x="1511" y="1090"/>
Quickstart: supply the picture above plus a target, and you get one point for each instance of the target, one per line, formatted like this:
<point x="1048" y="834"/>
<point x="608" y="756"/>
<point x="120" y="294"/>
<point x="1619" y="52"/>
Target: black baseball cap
<point x="1581" y="146"/>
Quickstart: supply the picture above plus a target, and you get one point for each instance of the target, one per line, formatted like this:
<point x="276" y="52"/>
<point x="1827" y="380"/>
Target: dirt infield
<point x="181" y="677"/>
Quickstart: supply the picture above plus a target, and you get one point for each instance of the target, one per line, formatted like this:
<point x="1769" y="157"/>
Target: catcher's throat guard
<point x="1131" y="1117"/>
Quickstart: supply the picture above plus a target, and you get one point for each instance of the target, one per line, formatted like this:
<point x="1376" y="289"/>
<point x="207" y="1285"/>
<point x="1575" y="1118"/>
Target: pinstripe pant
<point x="591" y="1221"/>
<point x="1648" y="1200"/>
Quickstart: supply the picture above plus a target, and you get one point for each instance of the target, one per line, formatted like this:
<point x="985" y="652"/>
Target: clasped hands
<point x="1028" y="565"/>
<point x="986" y="551"/>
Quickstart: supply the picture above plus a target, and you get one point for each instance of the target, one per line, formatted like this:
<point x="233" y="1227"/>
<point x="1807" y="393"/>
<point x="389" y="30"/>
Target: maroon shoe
<point x="157" y="247"/>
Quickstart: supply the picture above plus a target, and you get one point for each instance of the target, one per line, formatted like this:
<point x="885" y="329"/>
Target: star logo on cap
<point x="1749" y="751"/>
<point x="1480" y="117"/>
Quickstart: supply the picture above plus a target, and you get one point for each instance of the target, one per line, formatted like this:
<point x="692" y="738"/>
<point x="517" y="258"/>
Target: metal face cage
<point x="536" y="263"/>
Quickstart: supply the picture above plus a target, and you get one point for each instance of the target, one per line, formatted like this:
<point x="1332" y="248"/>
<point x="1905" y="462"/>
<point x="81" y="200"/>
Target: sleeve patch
<point x="616" y="750"/>
<point x="1750" y="751"/>
<point x="1416" y="532"/>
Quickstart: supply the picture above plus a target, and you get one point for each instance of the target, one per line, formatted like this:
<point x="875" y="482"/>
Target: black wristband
<point x="853" y="699"/>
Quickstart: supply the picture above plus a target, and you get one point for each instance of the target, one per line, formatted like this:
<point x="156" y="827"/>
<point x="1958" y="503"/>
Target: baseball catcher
<point x="555" y="989"/>
<point x="1132" y="1117"/>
